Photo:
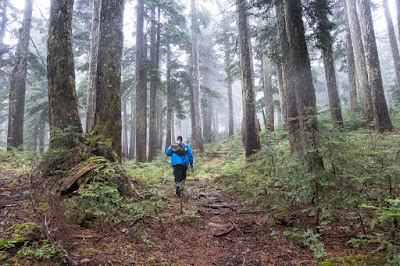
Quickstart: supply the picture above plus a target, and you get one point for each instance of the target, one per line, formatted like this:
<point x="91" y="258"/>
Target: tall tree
<point x="154" y="83"/>
<point x="197" y="138"/>
<point x="398" y="15"/>
<point x="141" y="92"/>
<point x="94" y="48"/>
<point x="251" y="138"/>
<point x="289" y="92"/>
<point x="3" y="24"/>
<point x="381" y="113"/>
<point x="125" y="147"/>
<point x="63" y="107"/>
<point x="393" y="45"/>
<point x="351" y="65"/>
<point x="105" y="137"/>
<point x="304" y="88"/>
<point x="268" y="93"/>
<point x="320" y="10"/>
<point x="169" y="107"/>
<point x="15" y="137"/>
<point x="363" y="88"/>
<point x="132" y="144"/>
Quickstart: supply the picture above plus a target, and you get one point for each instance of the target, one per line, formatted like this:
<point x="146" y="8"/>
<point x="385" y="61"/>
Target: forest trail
<point x="213" y="229"/>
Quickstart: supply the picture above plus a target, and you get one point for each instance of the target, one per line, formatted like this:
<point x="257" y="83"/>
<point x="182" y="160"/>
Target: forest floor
<point x="205" y="227"/>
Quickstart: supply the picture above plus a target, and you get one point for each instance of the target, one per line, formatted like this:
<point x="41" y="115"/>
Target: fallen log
<point x="225" y="233"/>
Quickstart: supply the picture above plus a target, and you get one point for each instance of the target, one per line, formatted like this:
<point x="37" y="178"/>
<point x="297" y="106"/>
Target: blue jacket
<point x="183" y="160"/>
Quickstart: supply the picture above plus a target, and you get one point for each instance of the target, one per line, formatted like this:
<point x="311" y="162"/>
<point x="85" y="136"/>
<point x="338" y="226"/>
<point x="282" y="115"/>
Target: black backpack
<point x="179" y="148"/>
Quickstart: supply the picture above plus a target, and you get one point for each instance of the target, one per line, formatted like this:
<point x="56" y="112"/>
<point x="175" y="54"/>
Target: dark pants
<point x="180" y="176"/>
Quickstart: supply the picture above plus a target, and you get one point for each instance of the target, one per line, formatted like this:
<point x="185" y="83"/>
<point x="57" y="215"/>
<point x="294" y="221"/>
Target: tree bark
<point x="154" y="82"/>
<point x="251" y="138"/>
<point x="268" y="93"/>
<point x="105" y="137"/>
<point x="15" y="136"/>
<point x="159" y="93"/>
<point x="132" y="144"/>
<point x="94" y="48"/>
<point x="393" y="46"/>
<point x="281" y="89"/>
<point x="292" y="114"/>
<point x="381" y="112"/>
<point x="351" y="65"/>
<point x="304" y="89"/>
<point x="398" y="15"/>
<point x="169" y="100"/>
<point x="197" y="136"/>
<point x="125" y="147"/>
<point x="3" y="24"/>
<point x="331" y="85"/>
<point x="63" y="107"/>
<point x="229" y="81"/>
<point x="141" y="92"/>
<point x="361" y="69"/>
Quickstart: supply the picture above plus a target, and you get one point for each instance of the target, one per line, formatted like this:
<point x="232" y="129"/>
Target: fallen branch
<point x="78" y="173"/>
<point x="226" y="232"/>
<point x="237" y="228"/>
<point x="217" y="206"/>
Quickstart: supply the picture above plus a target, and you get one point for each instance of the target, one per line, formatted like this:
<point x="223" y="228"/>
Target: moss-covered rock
<point x="30" y="231"/>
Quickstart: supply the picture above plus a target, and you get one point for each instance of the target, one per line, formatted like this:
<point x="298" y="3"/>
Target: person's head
<point x="179" y="138"/>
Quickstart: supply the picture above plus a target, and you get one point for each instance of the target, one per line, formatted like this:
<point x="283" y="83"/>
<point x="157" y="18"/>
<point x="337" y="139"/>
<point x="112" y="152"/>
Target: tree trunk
<point x="305" y="92"/>
<point x="159" y="93"/>
<point x="132" y="145"/>
<point x="268" y="93"/>
<point x="398" y="15"/>
<point x="359" y="56"/>
<point x="292" y="119"/>
<point x="63" y="107"/>
<point x="251" y="138"/>
<point x="228" y="59"/>
<point x="160" y="115"/>
<point x="3" y="24"/>
<point x="197" y="136"/>
<point x="105" y="137"/>
<point x="94" y="48"/>
<point x="141" y="92"/>
<point x="351" y="70"/>
<point x="173" y="126"/>
<point x="153" y="136"/>
<point x="207" y="118"/>
<point x="331" y="86"/>
<point x="125" y="148"/>
<point x="393" y="46"/>
<point x="169" y="100"/>
<point x="281" y="89"/>
<point x="382" y="119"/>
<point x="15" y="136"/>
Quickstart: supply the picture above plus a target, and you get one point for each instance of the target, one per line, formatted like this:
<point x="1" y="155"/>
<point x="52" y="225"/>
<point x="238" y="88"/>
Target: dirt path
<point x="222" y="234"/>
<point x="214" y="229"/>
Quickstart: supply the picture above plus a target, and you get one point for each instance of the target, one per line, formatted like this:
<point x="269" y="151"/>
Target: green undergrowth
<point x="18" y="162"/>
<point x="362" y="167"/>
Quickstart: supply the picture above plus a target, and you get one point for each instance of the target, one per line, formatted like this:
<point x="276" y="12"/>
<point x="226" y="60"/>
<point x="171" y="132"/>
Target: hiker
<point x="181" y="157"/>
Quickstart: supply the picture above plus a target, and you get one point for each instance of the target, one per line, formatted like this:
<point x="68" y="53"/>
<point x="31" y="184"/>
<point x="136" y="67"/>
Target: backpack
<point x="179" y="148"/>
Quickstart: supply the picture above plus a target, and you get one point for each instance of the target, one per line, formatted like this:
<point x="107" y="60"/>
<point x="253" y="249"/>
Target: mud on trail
<point x="213" y="229"/>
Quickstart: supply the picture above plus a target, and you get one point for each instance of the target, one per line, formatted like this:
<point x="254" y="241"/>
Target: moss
<point x="354" y="260"/>
<point x="100" y="143"/>
<point x="29" y="231"/>
<point x="12" y="182"/>
<point x="91" y="251"/>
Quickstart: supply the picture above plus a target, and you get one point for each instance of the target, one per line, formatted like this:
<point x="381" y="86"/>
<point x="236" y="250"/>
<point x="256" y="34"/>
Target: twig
<point x="236" y="226"/>
<point x="37" y="51"/>
<point x="165" y="176"/>
<point x="159" y="218"/>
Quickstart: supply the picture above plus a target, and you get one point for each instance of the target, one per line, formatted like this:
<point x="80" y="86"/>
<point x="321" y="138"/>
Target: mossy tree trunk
<point x="154" y="84"/>
<point x="63" y="107"/>
<point x="363" y="88"/>
<point x="141" y="92"/>
<point x="251" y="138"/>
<point x="393" y="46"/>
<point x="381" y="112"/>
<point x="125" y="147"/>
<point x="94" y="47"/>
<point x="105" y="137"/>
<point x="197" y="136"/>
<point x="268" y="93"/>
<point x="302" y="82"/>
<point x="15" y="136"/>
